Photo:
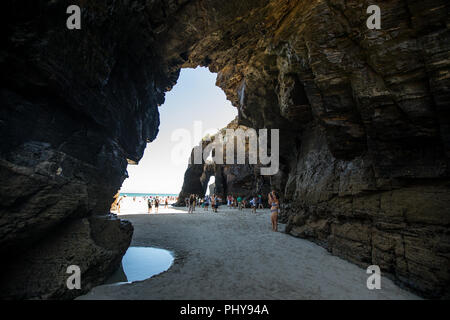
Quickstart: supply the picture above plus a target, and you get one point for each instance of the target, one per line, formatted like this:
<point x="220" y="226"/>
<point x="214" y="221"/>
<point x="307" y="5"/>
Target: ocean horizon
<point x="147" y="194"/>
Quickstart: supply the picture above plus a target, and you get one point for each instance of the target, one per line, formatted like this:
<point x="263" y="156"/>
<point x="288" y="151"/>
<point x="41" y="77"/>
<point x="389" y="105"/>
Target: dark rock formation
<point x="242" y="180"/>
<point x="363" y="115"/>
<point x="94" y="244"/>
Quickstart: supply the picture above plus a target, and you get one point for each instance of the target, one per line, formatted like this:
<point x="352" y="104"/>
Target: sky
<point x="193" y="108"/>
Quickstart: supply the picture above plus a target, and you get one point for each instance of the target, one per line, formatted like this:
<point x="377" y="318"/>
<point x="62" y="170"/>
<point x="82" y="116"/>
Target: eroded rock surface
<point x="363" y="114"/>
<point x="242" y="180"/>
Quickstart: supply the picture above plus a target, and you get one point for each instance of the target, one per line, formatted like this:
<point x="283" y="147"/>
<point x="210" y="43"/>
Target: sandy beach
<point x="234" y="255"/>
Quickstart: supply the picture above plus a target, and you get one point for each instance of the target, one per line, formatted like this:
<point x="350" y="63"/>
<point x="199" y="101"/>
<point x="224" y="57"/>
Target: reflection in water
<point x="140" y="263"/>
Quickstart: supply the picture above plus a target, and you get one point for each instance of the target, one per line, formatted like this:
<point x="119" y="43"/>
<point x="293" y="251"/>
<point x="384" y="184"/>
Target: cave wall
<point x="364" y="125"/>
<point x="75" y="105"/>
<point x="363" y="114"/>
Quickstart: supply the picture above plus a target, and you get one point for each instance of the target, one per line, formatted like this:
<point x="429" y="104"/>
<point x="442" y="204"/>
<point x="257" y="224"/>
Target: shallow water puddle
<point x="140" y="263"/>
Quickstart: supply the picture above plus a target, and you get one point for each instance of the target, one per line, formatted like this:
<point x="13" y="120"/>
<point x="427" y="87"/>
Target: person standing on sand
<point x="239" y="202"/>
<point x="253" y="203"/>
<point x="118" y="204"/>
<point x="166" y="203"/>
<point x="206" y="203"/>
<point x="191" y="204"/>
<point x="149" y="203"/>
<point x="213" y="203"/>
<point x="274" y="204"/>
<point x="218" y="200"/>
<point x="260" y="202"/>
<point x="156" y="204"/>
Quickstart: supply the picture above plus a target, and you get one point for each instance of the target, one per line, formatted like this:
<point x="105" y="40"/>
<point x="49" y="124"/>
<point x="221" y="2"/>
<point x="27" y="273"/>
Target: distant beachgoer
<point x="194" y="203"/>
<point x="253" y="204"/>
<point x="186" y="201"/>
<point x="206" y="203"/>
<point x="191" y="204"/>
<point x="239" y="202"/>
<point x="149" y="204"/>
<point x="118" y="204"/>
<point x="274" y="203"/>
<point x="156" y="204"/>
<point x="260" y="202"/>
<point x="218" y="200"/>
<point x="213" y="202"/>
<point x="166" y="203"/>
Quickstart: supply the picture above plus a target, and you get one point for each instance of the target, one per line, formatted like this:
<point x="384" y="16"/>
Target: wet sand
<point x="235" y="255"/>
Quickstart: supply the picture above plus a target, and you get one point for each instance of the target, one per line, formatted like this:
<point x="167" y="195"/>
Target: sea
<point x="129" y="194"/>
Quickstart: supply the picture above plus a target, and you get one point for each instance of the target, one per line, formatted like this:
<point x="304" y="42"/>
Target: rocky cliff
<point x="363" y="115"/>
<point x="234" y="179"/>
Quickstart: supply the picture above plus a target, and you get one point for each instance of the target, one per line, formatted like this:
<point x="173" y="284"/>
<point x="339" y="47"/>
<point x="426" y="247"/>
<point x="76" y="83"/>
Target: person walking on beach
<point x="149" y="204"/>
<point x="156" y="204"/>
<point x="274" y="204"/>
<point x="166" y="203"/>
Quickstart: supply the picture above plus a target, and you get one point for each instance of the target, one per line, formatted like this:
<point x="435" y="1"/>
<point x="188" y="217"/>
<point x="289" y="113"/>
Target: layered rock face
<point x="364" y="124"/>
<point x="74" y="107"/>
<point x="363" y="118"/>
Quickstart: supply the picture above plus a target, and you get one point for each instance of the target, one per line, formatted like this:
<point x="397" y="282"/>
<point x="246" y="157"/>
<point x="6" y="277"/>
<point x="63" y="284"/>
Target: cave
<point x="363" y="113"/>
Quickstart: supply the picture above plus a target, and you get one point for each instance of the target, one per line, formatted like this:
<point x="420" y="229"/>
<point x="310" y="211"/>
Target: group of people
<point x="240" y="203"/>
<point x="215" y="200"/>
<point x="156" y="202"/>
<point x="194" y="200"/>
<point x="255" y="202"/>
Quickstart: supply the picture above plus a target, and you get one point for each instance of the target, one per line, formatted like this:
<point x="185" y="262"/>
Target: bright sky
<point x="194" y="107"/>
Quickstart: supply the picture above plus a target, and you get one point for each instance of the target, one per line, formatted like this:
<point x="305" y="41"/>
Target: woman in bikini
<point x="274" y="209"/>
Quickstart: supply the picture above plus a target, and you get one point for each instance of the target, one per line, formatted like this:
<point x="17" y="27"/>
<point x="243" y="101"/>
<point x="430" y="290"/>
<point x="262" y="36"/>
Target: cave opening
<point x="210" y="185"/>
<point x="194" y="109"/>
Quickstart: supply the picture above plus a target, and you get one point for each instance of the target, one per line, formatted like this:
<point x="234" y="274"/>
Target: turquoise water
<point x="140" y="263"/>
<point x="148" y="194"/>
